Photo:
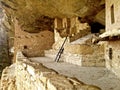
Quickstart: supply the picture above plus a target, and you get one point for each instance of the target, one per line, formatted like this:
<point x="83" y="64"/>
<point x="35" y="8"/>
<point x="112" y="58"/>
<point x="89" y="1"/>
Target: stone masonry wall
<point x="112" y="49"/>
<point x="80" y="54"/>
<point x="112" y="56"/>
<point x="34" y="76"/>
<point x="32" y="44"/>
<point x="112" y="13"/>
<point x="71" y="27"/>
<point x="85" y="55"/>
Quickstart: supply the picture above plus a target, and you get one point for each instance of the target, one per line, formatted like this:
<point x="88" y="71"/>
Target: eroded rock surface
<point x="37" y="15"/>
<point x="4" y="56"/>
<point x="26" y="75"/>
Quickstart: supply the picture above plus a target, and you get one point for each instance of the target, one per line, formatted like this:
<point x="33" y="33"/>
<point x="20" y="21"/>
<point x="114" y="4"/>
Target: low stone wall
<point x="85" y="60"/>
<point x="32" y="44"/>
<point x="85" y="55"/>
<point x="34" y="76"/>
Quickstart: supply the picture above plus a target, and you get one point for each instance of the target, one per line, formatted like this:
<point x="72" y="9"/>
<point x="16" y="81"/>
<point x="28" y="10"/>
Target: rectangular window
<point x="110" y="53"/>
<point x="112" y="14"/>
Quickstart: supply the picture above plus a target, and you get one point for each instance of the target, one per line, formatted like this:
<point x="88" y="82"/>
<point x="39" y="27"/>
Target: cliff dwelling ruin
<point x="59" y="44"/>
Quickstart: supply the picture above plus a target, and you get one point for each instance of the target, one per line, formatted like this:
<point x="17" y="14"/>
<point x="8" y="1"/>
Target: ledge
<point x="108" y="36"/>
<point x="30" y="75"/>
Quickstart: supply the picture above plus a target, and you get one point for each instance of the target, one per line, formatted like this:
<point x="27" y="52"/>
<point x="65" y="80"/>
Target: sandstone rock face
<point x="34" y="76"/>
<point x="8" y="78"/>
<point x="112" y="50"/>
<point x="38" y="16"/>
<point x="4" y="55"/>
<point x="34" y="16"/>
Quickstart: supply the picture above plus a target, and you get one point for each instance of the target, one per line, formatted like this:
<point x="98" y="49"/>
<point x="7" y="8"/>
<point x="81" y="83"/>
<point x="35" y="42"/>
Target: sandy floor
<point x="99" y="76"/>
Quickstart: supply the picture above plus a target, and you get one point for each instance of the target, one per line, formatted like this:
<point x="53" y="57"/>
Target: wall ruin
<point x="32" y="44"/>
<point x="82" y="52"/>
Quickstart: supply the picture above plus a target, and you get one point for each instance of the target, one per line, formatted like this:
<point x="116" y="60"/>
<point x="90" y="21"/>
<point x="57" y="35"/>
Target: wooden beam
<point x="109" y="38"/>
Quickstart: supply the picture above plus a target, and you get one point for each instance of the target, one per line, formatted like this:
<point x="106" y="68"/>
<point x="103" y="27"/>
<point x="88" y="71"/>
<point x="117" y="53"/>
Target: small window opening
<point x="25" y="47"/>
<point x="42" y="35"/>
<point x="112" y="14"/>
<point x="110" y="53"/>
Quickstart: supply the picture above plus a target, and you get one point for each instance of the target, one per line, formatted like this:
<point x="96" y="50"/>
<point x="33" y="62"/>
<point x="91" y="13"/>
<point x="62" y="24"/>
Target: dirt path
<point x="99" y="76"/>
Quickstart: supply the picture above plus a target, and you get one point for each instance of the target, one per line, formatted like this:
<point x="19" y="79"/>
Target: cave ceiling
<point x="36" y="15"/>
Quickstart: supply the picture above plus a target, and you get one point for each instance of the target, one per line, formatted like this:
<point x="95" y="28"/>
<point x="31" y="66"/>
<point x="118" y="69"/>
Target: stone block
<point x="79" y="49"/>
<point x="38" y="77"/>
<point x="31" y="70"/>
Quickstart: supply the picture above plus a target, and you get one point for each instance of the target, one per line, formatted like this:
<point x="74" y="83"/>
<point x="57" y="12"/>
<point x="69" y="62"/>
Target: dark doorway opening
<point x="95" y="27"/>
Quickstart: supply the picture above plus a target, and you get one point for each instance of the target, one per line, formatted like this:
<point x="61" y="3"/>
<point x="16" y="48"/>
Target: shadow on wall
<point x="4" y="47"/>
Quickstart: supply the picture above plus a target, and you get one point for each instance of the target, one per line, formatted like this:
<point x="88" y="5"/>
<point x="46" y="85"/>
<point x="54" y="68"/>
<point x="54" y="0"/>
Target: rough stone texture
<point x="78" y="29"/>
<point x="84" y="54"/>
<point x="79" y="49"/>
<point x="58" y="40"/>
<point x="34" y="16"/>
<point x="116" y="15"/>
<point x="34" y="76"/>
<point x="4" y="55"/>
<point x="100" y="17"/>
<point x="99" y="76"/>
<point x="85" y="60"/>
<point x="71" y="27"/>
<point x="112" y="51"/>
<point x="114" y="63"/>
<point x="32" y="44"/>
<point x="8" y="78"/>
